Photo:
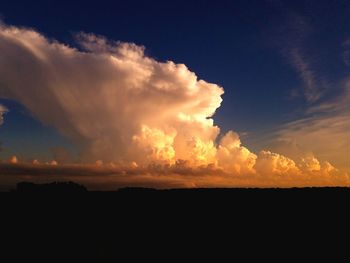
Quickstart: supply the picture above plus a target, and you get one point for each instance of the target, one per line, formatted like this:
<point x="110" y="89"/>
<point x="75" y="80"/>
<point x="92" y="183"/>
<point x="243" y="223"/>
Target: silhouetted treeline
<point x="55" y="187"/>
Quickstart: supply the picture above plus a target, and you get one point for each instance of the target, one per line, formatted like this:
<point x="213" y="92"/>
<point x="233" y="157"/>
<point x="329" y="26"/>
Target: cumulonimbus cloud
<point x="122" y="106"/>
<point x="111" y="99"/>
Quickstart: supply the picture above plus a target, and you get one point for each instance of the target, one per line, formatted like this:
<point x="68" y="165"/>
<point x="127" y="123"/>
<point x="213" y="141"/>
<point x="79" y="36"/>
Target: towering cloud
<point x="111" y="99"/>
<point x="121" y="106"/>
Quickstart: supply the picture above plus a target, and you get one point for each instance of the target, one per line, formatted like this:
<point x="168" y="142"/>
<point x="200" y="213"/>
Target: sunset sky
<point x="175" y="93"/>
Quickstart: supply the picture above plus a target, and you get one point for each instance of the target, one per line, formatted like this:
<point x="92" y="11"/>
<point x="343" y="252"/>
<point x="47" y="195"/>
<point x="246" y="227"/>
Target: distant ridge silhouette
<point x="72" y="187"/>
<point x="55" y="187"/>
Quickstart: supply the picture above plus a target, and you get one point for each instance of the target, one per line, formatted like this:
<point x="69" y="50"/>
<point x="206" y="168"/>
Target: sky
<point x="239" y="89"/>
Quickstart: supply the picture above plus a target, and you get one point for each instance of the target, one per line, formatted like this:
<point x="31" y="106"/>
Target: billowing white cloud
<point x="272" y="163"/>
<point x="111" y="98"/>
<point x="310" y="164"/>
<point x="233" y="157"/>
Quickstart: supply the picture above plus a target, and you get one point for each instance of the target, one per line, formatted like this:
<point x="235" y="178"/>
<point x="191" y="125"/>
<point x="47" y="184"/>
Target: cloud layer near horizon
<point x="118" y="105"/>
<point x="178" y="175"/>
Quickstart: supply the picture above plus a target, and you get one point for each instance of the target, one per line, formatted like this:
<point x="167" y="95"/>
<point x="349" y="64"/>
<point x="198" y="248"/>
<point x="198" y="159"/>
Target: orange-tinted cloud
<point x="178" y="175"/>
<point x="110" y="99"/>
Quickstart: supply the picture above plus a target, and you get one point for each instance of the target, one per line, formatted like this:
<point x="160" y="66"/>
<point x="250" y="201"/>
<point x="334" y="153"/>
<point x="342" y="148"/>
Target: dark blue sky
<point x="253" y="48"/>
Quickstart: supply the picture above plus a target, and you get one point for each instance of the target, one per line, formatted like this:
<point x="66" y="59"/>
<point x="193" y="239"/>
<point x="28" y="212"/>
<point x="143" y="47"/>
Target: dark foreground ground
<point x="68" y="194"/>
<point x="62" y="191"/>
<point x="65" y="222"/>
<point x="75" y="199"/>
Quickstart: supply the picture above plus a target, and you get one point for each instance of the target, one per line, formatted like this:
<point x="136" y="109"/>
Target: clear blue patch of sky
<point x="25" y="137"/>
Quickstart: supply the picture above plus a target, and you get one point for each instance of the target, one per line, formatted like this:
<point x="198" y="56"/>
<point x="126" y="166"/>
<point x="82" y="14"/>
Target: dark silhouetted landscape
<point x="75" y="188"/>
<point x="65" y="221"/>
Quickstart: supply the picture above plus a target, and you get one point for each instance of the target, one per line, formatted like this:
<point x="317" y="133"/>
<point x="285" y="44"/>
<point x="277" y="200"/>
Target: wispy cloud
<point x="292" y="37"/>
<point x="324" y="129"/>
<point x="312" y="89"/>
